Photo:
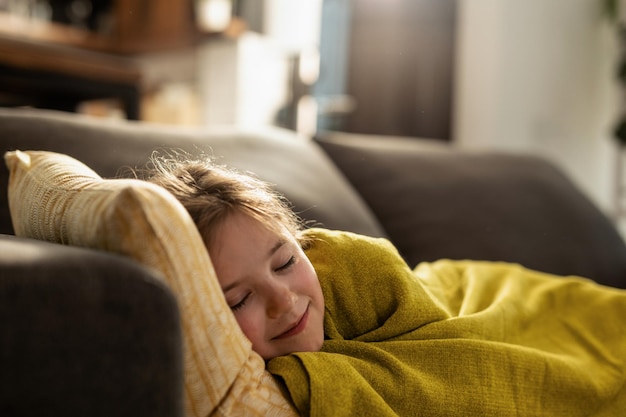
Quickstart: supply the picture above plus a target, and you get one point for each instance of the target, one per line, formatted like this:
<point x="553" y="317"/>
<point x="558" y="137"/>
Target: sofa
<point x="87" y="332"/>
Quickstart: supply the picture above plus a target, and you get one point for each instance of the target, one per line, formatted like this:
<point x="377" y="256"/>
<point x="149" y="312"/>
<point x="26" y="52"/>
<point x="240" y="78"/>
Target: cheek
<point x="309" y="282"/>
<point x="251" y="325"/>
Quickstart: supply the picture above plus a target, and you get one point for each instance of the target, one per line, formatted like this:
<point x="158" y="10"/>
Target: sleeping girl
<point x="348" y="328"/>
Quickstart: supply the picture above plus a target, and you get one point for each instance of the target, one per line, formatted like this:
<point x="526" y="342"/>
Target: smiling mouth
<point x="297" y="328"/>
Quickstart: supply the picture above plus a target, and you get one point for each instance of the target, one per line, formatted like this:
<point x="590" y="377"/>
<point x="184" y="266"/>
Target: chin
<point x="313" y="346"/>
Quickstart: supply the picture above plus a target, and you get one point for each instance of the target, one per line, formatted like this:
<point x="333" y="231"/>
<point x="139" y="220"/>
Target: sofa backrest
<point x="437" y="201"/>
<point x="432" y="200"/>
<point x="295" y="165"/>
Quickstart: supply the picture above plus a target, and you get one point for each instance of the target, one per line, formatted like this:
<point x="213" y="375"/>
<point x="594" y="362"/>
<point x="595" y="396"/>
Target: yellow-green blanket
<point x="456" y="339"/>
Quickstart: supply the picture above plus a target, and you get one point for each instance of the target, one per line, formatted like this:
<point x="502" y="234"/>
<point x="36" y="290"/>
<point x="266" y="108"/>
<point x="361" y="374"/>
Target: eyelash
<point x="290" y="262"/>
<point x="286" y="265"/>
<point x="241" y="303"/>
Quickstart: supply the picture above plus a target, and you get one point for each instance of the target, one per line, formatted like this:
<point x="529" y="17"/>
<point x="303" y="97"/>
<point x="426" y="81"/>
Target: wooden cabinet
<point x="150" y="25"/>
<point x="128" y="26"/>
<point x="60" y="65"/>
<point x="40" y="70"/>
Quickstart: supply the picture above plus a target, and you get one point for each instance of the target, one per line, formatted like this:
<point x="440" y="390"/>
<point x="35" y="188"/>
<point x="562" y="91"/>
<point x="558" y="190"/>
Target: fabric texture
<point x="56" y="198"/>
<point x="85" y="333"/>
<point x="295" y="164"/>
<point x="460" y="338"/>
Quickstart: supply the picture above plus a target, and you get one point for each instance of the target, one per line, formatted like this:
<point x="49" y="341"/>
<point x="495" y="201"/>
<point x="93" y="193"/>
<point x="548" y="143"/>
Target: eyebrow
<point x="280" y="243"/>
<point x="277" y="246"/>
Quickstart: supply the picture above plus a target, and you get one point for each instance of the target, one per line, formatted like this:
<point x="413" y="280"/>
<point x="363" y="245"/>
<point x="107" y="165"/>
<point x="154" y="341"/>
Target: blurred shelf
<point x="52" y="66"/>
<point x="55" y="65"/>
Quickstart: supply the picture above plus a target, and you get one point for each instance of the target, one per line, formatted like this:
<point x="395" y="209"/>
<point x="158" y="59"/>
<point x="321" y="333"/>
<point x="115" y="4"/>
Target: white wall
<point x="538" y="76"/>
<point x="294" y="24"/>
<point x="242" y="81"/>
<point x="247" y="80"/>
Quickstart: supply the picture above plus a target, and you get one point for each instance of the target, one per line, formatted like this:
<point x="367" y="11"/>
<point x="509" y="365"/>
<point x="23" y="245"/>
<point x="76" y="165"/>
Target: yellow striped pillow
<point x="56" y="198"/>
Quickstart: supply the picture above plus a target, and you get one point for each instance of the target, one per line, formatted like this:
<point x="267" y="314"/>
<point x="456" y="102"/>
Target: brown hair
<point x="211" y="192"/>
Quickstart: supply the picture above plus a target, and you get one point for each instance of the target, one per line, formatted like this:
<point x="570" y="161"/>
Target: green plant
<point x="611" y="8"/>
<point x="612" y="12"/>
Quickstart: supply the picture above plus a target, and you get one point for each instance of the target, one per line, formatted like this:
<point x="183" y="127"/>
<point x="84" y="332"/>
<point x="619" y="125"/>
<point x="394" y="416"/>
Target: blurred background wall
<point x="534" y="76"/>
<point x="540" y="76"/>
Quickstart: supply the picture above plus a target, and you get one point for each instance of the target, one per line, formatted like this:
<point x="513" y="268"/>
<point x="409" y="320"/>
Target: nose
<point x="280" y="301"/>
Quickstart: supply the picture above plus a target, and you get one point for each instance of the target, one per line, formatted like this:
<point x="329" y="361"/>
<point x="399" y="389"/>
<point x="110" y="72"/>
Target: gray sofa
<point x="91" y="333"/>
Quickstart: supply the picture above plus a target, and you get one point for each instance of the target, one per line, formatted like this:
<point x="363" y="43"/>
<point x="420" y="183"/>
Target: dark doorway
<point x="398" y="58"/>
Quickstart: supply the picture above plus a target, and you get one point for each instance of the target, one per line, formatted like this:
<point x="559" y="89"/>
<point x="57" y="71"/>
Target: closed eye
<point x="241" y="303"/>
<point x="286" y="265"/>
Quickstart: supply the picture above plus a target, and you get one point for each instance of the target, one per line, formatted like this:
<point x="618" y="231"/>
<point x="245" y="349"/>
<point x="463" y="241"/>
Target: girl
<point x="256" y="245"/>
<point x="350" y="329"/>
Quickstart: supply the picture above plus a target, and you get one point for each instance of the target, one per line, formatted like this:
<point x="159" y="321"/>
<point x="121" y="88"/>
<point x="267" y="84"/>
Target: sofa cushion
<point x="56" y="198"/>
<point x="296" y="165"/>
<point x="436" y="202"/>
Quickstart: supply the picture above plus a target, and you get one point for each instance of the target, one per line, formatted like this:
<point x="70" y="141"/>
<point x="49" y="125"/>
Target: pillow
<point x="56" y="198"/>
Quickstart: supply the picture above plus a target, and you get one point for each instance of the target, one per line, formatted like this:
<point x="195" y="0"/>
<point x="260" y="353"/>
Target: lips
<point x="296" y="328"/>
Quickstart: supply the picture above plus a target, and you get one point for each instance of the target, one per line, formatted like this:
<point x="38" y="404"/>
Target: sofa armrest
<point x="436" y="201"/>
<point x="85" y="333"/>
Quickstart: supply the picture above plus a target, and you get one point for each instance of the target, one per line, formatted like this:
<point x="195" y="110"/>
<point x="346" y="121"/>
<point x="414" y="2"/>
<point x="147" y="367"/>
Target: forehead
<point x="238" y="221"/>
<point x="240" y="234"/>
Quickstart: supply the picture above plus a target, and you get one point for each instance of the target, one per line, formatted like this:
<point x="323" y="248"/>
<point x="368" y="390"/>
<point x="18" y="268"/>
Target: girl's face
<point x="270" y="285"/>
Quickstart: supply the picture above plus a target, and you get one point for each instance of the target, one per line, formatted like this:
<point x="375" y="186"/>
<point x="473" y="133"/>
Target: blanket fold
<point x="461" y="338"/>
